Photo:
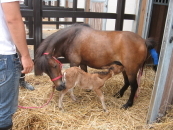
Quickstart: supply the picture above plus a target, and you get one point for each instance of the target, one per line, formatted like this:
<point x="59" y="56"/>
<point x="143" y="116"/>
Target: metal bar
<point x="26" y="13"/>
<point x="58" y="22"/>
<point x="74" y="9"/>
<point x="57" y="19"/>
<point x="54" y="13"/>
<point x="120" y="14"/>
<point x="30" y="41"/>
<point x="61" y="8"/>
<point x="30" y="20"/>
<point x="49" y="3"/>
<point x="37" y="23"/>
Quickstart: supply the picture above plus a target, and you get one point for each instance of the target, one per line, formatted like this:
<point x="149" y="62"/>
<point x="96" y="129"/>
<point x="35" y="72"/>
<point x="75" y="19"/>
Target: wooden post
<point x="120" y="14"/>
<point x="142" y="16"/>
<point x="87" y="9"/>
<point x="37" y="23"/>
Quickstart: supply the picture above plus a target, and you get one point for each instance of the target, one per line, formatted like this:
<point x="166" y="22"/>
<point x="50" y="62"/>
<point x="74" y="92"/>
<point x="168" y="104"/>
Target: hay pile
<point x="87" y="113"/>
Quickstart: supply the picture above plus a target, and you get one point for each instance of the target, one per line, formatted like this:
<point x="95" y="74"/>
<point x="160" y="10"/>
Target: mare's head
<point x="52" y="67"/>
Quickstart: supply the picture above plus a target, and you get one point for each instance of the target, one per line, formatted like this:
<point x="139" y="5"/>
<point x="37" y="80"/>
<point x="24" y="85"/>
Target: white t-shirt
<point x="7" y="46"/>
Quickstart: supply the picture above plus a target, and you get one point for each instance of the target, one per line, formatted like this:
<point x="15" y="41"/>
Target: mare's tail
<point x="151" y="43"/>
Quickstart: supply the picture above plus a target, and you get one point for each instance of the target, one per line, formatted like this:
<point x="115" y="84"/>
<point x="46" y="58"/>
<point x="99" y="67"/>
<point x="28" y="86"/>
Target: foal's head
<point x="116" y="67"/>
<point x="52" y="67"/>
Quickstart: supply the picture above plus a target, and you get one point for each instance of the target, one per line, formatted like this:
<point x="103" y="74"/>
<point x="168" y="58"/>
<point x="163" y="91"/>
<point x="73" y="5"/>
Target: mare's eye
<point x="54" y="66"/>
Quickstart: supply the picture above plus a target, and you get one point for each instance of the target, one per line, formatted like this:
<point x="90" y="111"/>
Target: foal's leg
<point x="134" y="87"/>
<point x="72" y="94"/>
<point x="62" y="93"/>
<point x="124" y="88"/>
<point x="101" y="97"/>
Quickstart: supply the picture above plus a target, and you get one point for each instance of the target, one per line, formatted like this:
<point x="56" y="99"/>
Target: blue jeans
<point x="10" y="71"/>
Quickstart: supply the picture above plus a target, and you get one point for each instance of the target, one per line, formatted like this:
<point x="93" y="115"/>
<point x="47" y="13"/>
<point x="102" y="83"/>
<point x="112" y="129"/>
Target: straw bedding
<point x="87" y="113"/>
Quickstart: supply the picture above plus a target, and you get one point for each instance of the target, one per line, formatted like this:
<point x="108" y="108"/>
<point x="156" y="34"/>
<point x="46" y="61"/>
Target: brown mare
<point x="84" y="46"/>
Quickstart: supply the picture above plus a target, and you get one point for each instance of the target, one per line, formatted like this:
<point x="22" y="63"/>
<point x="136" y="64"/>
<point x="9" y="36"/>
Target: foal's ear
<point x="111" y="68"/>
<point x="105" y="67"/>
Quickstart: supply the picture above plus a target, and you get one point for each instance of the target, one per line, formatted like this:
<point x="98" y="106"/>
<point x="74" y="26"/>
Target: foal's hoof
<point x="88" y="90"/>
<point x="118" y="95"/>
<point x="105" y="110"/>
<point x="61" y="109"/>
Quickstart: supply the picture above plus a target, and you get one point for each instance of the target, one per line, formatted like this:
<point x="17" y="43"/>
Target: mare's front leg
<point x="134" y="87"/>
<point x="124" y="88"/>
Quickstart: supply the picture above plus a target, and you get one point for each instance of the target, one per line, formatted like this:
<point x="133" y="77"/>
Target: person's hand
<point x="27" y="64"/>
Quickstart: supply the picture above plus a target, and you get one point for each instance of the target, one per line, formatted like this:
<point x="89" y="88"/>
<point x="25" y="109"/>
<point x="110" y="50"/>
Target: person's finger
<point x="26" y="70"/>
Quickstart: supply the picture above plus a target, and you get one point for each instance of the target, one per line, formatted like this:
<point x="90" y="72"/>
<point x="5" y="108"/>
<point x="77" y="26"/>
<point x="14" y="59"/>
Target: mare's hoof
<point x="125" y="106"/>
<point x="118" y="95"/>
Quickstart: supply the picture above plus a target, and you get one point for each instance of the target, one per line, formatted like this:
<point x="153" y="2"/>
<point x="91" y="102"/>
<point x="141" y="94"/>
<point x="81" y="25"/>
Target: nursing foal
<point x="74" y="76"/>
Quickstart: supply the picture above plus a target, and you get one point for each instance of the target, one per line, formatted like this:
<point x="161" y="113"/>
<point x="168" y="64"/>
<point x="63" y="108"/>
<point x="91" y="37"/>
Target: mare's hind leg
<point x="134" y="87"/>
<point x="83" y="67"/>
<point x="124" y="88"/>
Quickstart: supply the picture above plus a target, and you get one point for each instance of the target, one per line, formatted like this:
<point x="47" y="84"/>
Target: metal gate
<point x="161" y="91"/>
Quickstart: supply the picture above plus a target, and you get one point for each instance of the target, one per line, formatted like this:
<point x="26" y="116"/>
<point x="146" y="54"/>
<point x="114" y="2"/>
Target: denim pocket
<point x="18" y="64"/>
<point x="3" y="67"/>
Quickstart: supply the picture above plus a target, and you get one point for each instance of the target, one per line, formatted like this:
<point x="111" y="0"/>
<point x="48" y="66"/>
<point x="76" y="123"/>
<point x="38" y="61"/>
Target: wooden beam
<point x="142" y="16"/>
<point x="87" y="9"/>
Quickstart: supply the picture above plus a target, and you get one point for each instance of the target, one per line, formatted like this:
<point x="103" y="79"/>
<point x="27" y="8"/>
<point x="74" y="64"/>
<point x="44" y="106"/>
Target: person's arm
<point x="16" y="26"/>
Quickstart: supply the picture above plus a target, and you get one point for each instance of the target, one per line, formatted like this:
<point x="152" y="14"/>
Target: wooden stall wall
<point x="96" y="7"/>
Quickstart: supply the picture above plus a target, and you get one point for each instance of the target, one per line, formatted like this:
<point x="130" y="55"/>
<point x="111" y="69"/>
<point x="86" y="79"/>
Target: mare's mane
<point x="64" y="35"/>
